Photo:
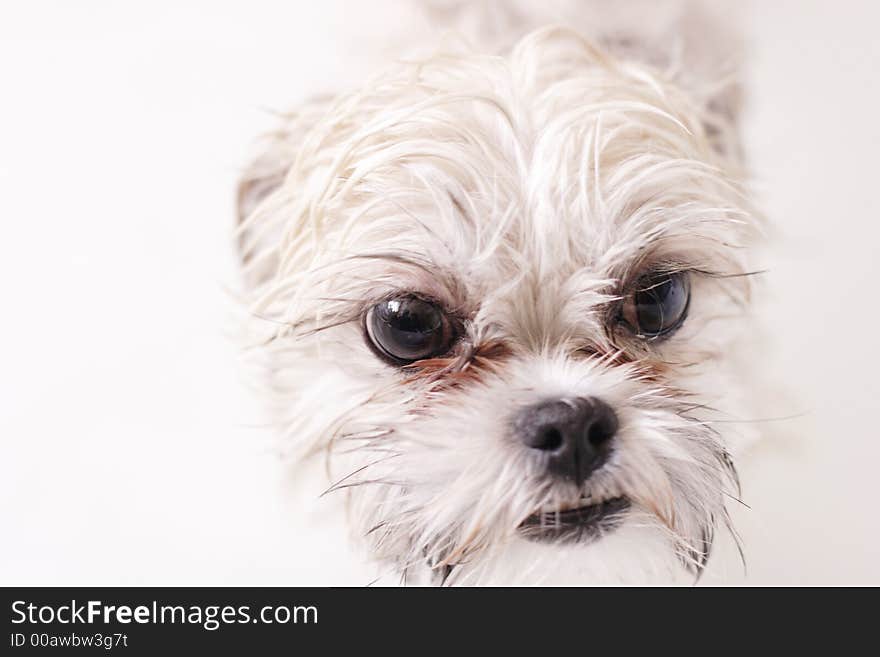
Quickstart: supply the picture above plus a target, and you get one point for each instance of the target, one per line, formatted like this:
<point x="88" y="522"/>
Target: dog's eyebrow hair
<point x="712" y="274"/>
<point x="426" y="266"/>
<point x="433" y="270"/>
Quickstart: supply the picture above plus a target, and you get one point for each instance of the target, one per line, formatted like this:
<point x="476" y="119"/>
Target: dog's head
<point x="502" y="294"/>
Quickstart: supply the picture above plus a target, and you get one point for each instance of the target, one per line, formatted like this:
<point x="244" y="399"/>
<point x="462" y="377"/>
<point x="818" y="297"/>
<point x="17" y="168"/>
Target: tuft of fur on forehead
<point x="525" y="194"/>
<point x="556" y="135"/>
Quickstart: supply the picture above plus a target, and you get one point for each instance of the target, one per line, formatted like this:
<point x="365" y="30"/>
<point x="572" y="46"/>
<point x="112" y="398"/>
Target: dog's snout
<point x="575" y="435"/>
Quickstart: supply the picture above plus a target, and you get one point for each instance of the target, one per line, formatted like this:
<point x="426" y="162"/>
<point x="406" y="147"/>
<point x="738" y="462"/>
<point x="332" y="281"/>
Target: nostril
<point x="548" y="439"/>
<point x="600" y="433"/>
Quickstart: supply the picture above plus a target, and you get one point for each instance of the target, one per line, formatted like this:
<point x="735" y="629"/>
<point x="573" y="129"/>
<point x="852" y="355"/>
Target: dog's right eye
<point x="406" y="329"/>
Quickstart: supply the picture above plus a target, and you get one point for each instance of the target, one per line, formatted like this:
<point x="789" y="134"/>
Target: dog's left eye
<point x="406" y="329"/>
<point x="659" y="304"/>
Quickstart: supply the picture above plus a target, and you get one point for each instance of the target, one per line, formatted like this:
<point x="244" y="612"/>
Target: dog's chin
<point x="582" y="523"/>
<point x="633" y="551"/>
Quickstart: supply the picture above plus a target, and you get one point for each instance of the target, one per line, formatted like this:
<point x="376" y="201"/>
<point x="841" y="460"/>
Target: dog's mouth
<point x="582" y="523"/>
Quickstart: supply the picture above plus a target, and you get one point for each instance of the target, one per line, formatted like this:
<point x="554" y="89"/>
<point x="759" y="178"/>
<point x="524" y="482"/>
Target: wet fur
<point x="524" y="191"/>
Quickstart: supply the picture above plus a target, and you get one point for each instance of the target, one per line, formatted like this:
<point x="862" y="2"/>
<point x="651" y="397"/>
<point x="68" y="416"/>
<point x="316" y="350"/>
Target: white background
<point x="131" y="453"/>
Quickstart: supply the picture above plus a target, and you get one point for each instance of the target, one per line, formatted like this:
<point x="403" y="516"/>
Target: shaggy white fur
<point x="526" y="191"/>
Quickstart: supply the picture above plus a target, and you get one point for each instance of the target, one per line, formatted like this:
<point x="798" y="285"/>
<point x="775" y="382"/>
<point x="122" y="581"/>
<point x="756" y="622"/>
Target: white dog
<point x="498" y="290"/>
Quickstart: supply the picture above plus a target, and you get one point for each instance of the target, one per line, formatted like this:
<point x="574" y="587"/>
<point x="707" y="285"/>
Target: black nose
<point x="574" y="434"/>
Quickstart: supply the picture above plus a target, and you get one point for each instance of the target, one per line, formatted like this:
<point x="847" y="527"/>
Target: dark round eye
<point x="659" y="304"/>
<point x="406" y="329"/>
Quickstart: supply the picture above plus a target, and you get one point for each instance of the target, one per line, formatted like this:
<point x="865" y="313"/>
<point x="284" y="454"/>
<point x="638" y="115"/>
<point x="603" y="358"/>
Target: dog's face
<point x="506" y="292"/>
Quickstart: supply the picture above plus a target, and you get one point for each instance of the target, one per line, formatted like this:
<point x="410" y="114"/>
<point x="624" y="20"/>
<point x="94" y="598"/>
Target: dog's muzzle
<point x="572" y="438"/>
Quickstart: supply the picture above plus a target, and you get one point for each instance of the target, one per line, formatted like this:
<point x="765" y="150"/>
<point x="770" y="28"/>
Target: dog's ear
<point x="259" y="203"/>
<point x="256" y="236"/>
<point x="262" y="177"/>
<point x="710" y="56"/>
<point x="698" y="42"/>
<point x="700" y="45"/>
<point x="706" y="53"/>
<point x="721" y="121"/>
